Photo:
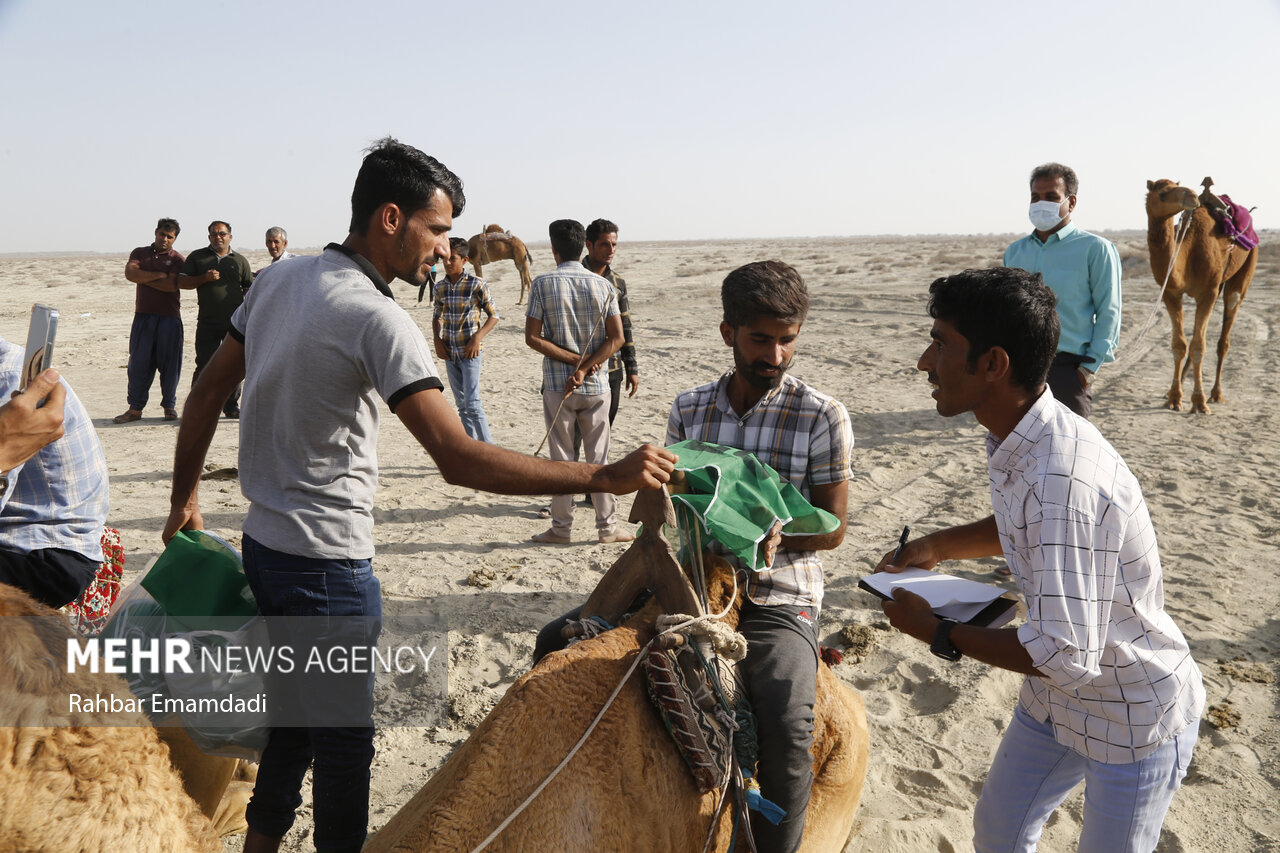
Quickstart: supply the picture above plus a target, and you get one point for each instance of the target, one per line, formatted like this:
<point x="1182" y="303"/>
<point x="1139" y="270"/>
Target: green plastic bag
<point x="737" y="498"/>
<point x="200" y="583"/>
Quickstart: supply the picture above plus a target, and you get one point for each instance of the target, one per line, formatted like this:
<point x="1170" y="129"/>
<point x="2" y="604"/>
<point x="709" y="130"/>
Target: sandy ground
<point x="933" y="725"/>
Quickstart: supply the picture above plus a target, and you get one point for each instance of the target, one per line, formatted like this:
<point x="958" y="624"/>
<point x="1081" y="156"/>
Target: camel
<point x="495" y="244"/>
<point x="94" y="781"/>
<point x="1207" y="262"/>
<point x="627" y="790"/>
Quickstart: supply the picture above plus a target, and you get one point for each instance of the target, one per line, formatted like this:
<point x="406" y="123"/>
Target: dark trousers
<point x="1064" y="382"/>
<point x="51" y="576"/>
<point x="323" y="604"/>
<point x="155" y="344"/>
<point x="615" y="392"/>
<point x="781" y="674"/>
<point x="208" y="339"/>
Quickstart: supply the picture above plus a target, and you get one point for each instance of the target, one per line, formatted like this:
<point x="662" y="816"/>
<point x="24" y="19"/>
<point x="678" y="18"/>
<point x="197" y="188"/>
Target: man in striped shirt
<point x="1111" y="696"/>
<point x="806" y="437"/>
<point x="462" y="300"/>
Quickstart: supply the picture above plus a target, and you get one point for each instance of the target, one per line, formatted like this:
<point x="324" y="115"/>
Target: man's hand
<point x="575" y="380"/>
<point x="918" y="553"/>
<point x="911" y="615"/>
<point x="472" y="349"/>
<point x="647" y="467"/>
<point x="633" y="384"/>
<point x="771" y="544"/>
<point x="186" y="517"/>
<point x="24" y="429"/>
<point x="442" y="352"/>
<point x="211" y="275"/>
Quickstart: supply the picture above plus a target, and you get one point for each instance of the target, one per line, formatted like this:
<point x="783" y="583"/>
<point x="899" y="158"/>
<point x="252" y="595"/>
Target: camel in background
<point x="495" y="244"/>
<point x="80" y="780"/>
<point x="1207" y="262"/>
<point x="627" y="790"/>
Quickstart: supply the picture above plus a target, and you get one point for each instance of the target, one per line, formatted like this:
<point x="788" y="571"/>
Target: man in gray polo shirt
<point x="318" y="341"/>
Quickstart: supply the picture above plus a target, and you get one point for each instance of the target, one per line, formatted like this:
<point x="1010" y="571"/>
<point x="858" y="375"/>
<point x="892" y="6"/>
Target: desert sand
<point x="1210" y="482"/>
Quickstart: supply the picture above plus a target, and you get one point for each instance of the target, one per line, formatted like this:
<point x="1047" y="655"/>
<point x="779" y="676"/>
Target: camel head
<point x="1167" y="198"/>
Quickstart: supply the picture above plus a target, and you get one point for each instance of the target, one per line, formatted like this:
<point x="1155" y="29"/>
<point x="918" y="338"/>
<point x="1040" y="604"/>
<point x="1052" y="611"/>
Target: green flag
<point x="737" y="498"/>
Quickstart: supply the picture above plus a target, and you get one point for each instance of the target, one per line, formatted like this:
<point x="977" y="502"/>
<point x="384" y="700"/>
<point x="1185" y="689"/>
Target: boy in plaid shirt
<point x="458" y="326"/>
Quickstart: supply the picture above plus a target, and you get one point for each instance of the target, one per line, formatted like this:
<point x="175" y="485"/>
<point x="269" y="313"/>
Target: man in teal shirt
<point x="1083" y="270"/>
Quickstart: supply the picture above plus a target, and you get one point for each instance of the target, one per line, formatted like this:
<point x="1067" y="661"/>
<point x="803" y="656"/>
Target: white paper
<point x="955" y="598"/>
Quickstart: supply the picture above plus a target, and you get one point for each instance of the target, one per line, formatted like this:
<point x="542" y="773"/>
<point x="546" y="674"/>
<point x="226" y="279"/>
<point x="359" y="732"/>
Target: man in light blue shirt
<point x="1083" y="270"/>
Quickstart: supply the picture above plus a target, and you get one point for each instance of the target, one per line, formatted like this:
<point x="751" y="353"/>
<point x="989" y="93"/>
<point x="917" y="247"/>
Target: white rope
<point x="599" y="716"/>
<point x="1184" y="226"/>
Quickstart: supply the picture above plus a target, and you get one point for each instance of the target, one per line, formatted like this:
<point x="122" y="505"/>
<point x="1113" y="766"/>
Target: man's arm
<point x="535" y="341"/>
<point x="613" y="340"/>
<point x="24" y="429"/>
<point x="199" y="422"/>
<point x="964" y="542"/>
<point x="628" y="349"/>
<point x="162" y="281"/>
<point x="189" y="279"/>
<point x="1000" y="647"/>
<point x="834" y="498"/>
<point x="1105" y="290"/>
<point x="442" y="351"/>
<point x="472" y="349"/>
<point x="464" y="461"/>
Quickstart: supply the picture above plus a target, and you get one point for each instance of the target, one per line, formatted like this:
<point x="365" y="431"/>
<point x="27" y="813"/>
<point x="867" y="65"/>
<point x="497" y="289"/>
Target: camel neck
<point x="1160" y="243"/>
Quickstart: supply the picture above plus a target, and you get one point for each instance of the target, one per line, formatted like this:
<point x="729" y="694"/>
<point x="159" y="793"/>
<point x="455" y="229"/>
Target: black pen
<point x="902" y="540"/>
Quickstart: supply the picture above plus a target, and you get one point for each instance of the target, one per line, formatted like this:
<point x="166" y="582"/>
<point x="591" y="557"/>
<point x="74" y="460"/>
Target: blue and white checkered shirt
<point x="1119" y="679"/>
<point x="569" y="302"/>
<point x="59" y="497"/>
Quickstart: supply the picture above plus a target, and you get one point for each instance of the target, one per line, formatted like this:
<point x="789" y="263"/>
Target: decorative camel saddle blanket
<point x="1237" y="223"/>
<point x="698" y="714"/>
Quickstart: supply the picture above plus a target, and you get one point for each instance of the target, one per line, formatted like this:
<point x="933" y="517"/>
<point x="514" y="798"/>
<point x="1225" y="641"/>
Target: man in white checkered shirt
<point x="806" y="437"/>
<point x="1112" y="696"/>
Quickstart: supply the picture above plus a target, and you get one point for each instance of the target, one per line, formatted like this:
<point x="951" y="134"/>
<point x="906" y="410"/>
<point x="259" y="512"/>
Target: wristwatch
<point x="941" y="645"/>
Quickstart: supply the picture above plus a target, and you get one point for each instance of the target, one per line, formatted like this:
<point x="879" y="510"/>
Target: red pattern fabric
<point x="89" y="613"/>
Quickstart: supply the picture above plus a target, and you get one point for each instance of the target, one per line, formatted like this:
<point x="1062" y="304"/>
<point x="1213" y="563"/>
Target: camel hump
<point x="494" y="229"/>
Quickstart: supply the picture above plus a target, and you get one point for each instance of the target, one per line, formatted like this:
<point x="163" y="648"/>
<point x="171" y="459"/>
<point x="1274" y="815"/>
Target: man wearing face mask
<point x="1083" y="270"/>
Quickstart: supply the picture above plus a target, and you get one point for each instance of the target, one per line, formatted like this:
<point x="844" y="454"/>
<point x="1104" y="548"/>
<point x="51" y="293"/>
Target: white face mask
<point x="1045" y="215"/>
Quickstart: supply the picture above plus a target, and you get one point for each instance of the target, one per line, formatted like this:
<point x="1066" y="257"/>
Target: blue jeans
<point x="323" y="604"/>
<point x="1124" y="804"/>
<point x="155" y="343"/>
<point x="464" y="379"/>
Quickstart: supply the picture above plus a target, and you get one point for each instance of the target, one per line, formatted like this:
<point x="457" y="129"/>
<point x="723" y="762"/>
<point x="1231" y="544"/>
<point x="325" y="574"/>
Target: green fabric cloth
<point x="737" y="498"/>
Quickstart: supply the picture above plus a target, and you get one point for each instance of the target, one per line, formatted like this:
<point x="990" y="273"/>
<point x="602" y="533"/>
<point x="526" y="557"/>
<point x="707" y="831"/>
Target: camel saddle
<point x="1235" y="220"/>
<point x="691" y="686"/>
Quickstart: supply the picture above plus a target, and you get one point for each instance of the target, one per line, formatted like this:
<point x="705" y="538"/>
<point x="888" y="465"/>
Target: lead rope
<point x="1184" y="226"/>
<point x="591" y="728"/>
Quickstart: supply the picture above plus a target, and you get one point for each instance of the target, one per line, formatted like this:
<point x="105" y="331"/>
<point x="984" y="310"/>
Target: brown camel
<point x="84" y="780"/>
<point x="1208" y="262"/>
<point x="495" y="244"/>
<point x="627" y="790"/>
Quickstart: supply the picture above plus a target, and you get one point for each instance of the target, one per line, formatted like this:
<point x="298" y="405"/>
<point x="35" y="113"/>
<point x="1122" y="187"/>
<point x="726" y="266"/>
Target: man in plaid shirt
<point x="806" y="437"/>
<point x="573" y="322"/>
<point x="456" y="322"/>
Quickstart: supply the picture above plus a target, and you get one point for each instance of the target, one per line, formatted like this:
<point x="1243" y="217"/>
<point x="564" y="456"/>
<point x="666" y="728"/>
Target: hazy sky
<point x="677" y="120"/>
